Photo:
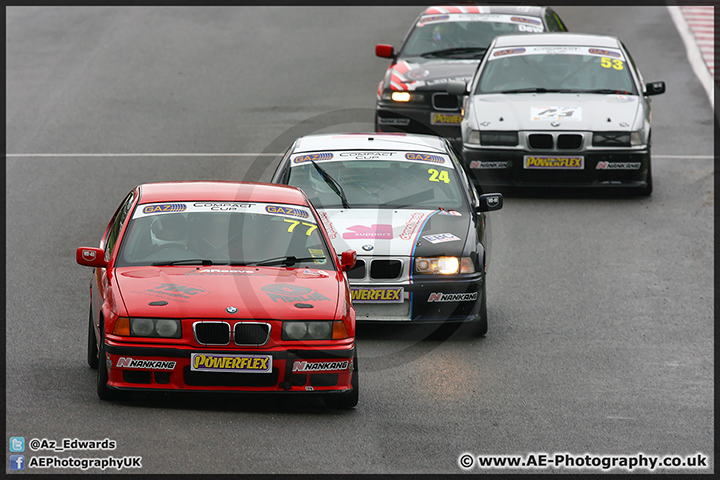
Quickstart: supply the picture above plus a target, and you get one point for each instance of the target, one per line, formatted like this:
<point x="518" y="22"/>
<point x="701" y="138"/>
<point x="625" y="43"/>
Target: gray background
<point x="601" y="309"/>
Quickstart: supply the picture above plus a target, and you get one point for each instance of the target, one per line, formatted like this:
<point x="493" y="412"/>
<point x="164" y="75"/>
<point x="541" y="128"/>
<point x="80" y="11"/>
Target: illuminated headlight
<point x="312" y="330"/>
<point x="474" y="137"/>
<point x="403" y="97"/>
<point x="444" y="265"/>
<point x="148" y="327"/>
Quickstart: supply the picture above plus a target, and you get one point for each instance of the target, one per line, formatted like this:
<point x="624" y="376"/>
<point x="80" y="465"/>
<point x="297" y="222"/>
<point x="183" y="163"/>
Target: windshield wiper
<point x="334" y="185"/>
<point x="448" y="52"/>
<point x="537" y="90"/>
<point x="607" y="91"/>
<point x="188" y="261"/>
<point x="288" y="260"/>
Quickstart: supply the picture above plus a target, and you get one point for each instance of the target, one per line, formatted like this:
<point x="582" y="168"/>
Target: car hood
<point x="572" y="111"/>
<point x="429" y="74"/>
<point x="397" y="232"/>
<point x="206" y="292"/>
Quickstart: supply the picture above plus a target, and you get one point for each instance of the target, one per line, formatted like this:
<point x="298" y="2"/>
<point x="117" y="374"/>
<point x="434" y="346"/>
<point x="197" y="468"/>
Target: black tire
<point x="346" y="400"/>
<point x="646" y="191"/>
<point x="103" y="391"/>
<point x="92" y="347"/>
<point x="480" y="326"/>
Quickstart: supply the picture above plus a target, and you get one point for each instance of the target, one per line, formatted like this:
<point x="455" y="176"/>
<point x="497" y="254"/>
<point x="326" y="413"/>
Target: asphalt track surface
<point x="601" y="308"/>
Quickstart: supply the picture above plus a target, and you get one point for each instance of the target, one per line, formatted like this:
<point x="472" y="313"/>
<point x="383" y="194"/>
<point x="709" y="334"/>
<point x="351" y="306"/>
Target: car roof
<point x="220" y="191"/>
<point x="370" y="141"/>
<point x="508" y="9"/>
<point x="556" y="38"/>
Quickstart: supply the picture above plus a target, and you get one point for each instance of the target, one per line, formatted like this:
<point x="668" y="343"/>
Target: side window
<point x="554" y="23"/>
<point x="114" y="231"/>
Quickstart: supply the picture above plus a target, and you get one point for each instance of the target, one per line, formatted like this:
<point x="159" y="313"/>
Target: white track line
<point x="693" y="53"/>
<point x="85" y="155"/>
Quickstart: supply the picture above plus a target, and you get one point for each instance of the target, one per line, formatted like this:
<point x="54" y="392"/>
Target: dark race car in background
<point x="558" y="110"/>
<point x="445" y="43"/>
<point x="404" y="203"/>
<point x="220" y="287"/>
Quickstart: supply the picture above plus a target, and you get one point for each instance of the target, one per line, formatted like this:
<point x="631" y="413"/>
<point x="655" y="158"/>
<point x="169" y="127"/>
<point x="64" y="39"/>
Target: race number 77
<point x="295" y="223"/>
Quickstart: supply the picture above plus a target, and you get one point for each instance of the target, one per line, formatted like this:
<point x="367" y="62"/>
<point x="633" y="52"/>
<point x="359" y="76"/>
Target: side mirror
<point x="490" y="202"/>
<point x="654" y="88"/>
<point x="384" y="51"/>
<point x="456" y="88"/>
<point x="348" y="259"/>
<point x="91" y="257"/>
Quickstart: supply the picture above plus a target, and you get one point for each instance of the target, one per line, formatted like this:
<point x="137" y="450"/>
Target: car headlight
<point x="313" y="330"/>
<point x="474" y="137"/>
<point x="148" y="327"/>
<point x="617" y="139"/>
<point x="403" y="96"/>
<point x="444" y="265"/>
<point x="506" y="139"/>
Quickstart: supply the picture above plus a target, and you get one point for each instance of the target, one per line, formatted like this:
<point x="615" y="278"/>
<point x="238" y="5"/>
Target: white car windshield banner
<point x="555" y="50"/>
<point x="276" y="209"/>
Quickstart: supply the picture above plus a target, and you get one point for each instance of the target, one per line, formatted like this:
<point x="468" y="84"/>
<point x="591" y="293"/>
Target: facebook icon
<point x="17" y="462"/>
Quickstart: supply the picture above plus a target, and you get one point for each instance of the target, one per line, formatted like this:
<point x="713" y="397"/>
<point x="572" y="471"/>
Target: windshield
<point x="224" y="233"/>
<point x="438" y="33"/>
<point x="381" y="183"/>
<point x="571" y="69"/>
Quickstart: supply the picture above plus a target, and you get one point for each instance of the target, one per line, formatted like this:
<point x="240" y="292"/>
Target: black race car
<point x="445" y="43"/>
<point x="405" y="204"/>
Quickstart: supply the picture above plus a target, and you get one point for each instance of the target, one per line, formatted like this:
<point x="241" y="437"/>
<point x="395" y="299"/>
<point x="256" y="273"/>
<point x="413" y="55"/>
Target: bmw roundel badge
<point x="231" y="310"/>
<point x="367" y="248"/>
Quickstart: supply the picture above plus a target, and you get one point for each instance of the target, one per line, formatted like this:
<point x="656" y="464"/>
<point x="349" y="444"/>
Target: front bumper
<point x="606" y="169"/>
<point x="428" y="299"/>
<point x="423" y="119"/>
<point x="302" y="370"/>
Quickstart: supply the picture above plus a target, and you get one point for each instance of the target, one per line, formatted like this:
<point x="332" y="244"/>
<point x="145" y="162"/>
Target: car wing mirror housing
<point x="384" y="51"/>
<point x="654" y="88"/>
<point x="456" y="88"/>
<point x="490" y="202"/>
<point x="348" y="259"/>
<point x="91" y="257"/>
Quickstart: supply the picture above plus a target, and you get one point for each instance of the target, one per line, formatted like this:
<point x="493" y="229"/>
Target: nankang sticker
<point x="165" y="208"/>
<point x="556" y="113"/>
<point x="285" y="210"/>
<point x="124" y="362"/>
<point x="479" y="165"/>
<point x="211" y="362"/>
<point x="618" y="166"/>
<point x="314" y="157"/>
<point x="440" y="238"/>
<point x="453" y="297"/>
<point x="303" y="366"/>
<point x="283" y="292"/>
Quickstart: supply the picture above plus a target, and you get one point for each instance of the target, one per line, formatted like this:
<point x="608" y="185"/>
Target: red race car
<point x="220" y="286"/>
